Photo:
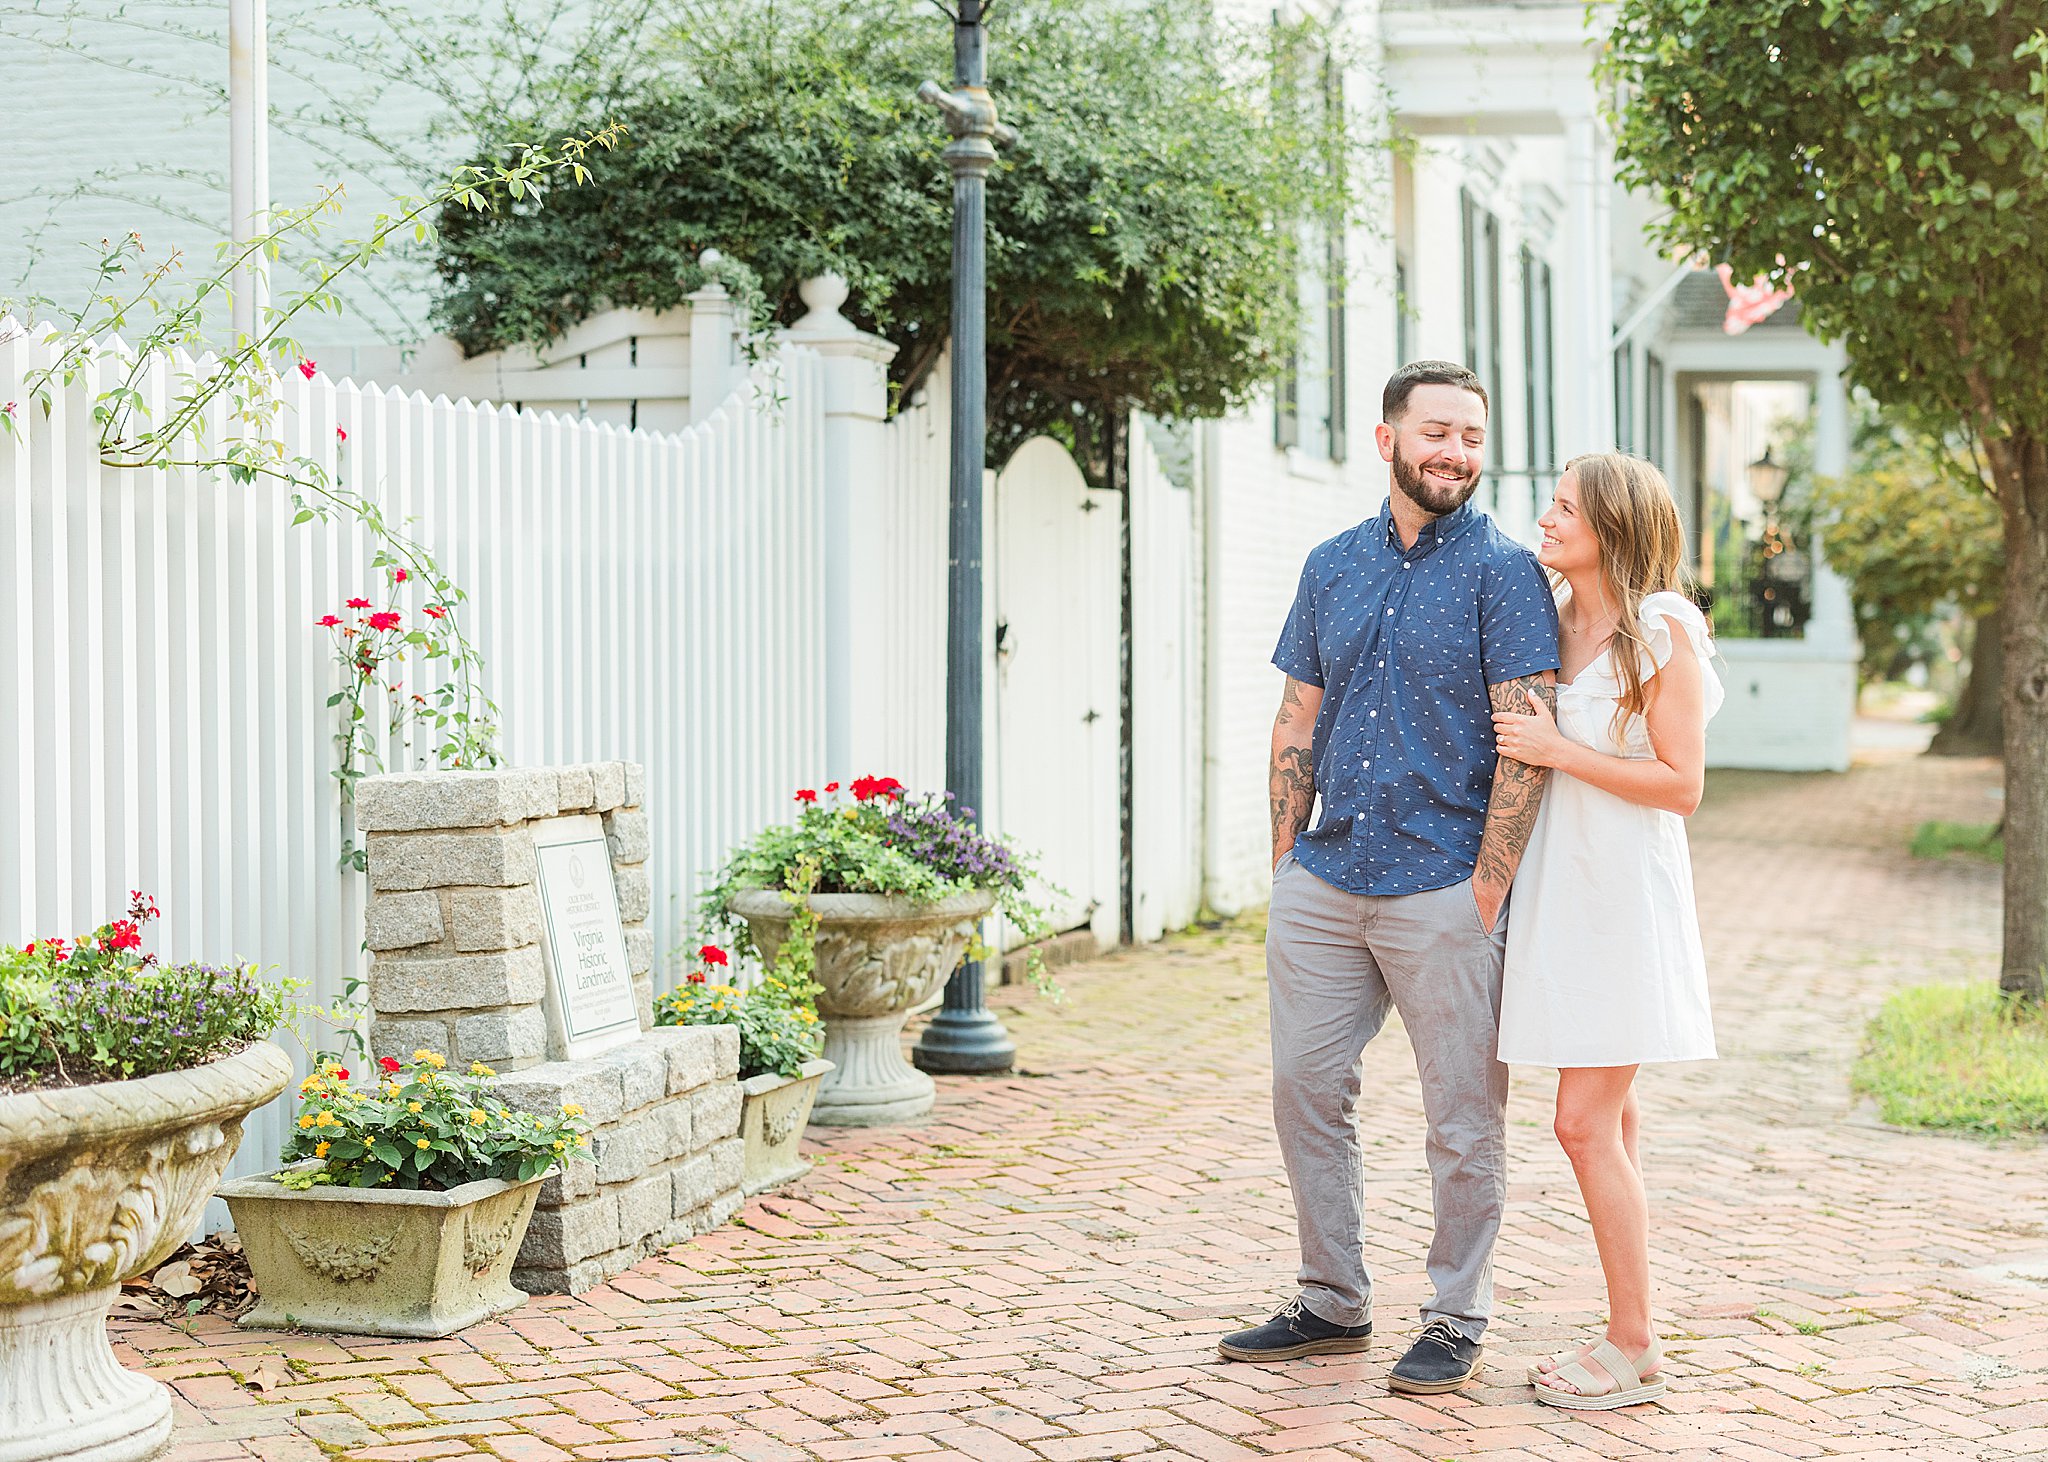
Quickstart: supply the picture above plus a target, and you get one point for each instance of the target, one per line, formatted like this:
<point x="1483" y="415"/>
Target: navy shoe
<point x="1294" y="1332"/>
<point x="1440" y="1360"/>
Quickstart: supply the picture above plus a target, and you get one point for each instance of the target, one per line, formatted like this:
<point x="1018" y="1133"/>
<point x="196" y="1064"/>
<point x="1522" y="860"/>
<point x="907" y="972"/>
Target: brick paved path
<point x="1041" y="1272"/>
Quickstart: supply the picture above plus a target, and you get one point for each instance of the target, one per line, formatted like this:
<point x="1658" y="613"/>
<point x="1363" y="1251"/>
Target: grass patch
<point x="1978" y="839"/>
<point x="1957" y="1058"/>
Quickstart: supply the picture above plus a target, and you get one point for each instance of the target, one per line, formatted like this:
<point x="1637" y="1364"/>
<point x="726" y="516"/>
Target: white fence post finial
<point x="714" y="352"/>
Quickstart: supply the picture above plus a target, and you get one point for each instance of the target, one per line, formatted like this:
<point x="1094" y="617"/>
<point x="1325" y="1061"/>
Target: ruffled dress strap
<point x="1669" y="620"/>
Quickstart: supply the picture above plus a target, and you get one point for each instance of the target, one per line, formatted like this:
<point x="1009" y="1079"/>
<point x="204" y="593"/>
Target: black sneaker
<point x="1440" y="1360"/>
<point x="1294" y="1332"/>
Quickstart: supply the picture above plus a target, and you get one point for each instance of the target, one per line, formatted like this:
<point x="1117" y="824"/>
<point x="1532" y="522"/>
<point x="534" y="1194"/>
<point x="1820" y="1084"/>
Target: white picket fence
<point x="657" y="596"/>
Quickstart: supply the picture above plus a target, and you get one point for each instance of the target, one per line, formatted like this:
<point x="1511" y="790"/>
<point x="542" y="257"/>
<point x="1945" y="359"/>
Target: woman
<point x="1604" y="966"/>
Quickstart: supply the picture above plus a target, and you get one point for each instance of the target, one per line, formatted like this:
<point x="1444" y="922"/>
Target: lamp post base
<point x="964" y="1038"/>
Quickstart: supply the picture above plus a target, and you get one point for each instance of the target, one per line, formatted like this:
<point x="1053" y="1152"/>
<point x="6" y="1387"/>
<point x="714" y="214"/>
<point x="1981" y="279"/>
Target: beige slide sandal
<point x="1626" y="1382"/>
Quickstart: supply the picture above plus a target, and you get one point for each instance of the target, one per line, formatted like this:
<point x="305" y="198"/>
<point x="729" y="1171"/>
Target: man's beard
<point x="1428" y="493"/>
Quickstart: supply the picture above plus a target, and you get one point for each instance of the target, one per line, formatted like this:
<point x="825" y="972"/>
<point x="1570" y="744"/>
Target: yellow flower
<point x="476" y="1117"/>
<point x="570" y="1109"/>
<point x="392" y="1088"/>
<point x="320" y="1148"/>
<point x="412" y="1106"/>
<point x="560" y="1145"/>
<point x="311" y="1083"/>
<point x="582" y="1141"/>
<point x="421" y="1142"/>
<point x="477" y="1068"/>
<point x="327" y="1119"/>
<point x="305" y="1119"/>
<point x="849" y="812"/>
<point x="430" y="1058"/>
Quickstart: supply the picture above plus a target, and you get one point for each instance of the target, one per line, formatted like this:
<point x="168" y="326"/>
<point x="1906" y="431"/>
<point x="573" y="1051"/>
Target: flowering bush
<point x="874" y="837"/>
<point x="777" y="1021"/>
<point x="421" y="1127"/>
<point x="96" y="1008"/>
<point x="371" y="644"/>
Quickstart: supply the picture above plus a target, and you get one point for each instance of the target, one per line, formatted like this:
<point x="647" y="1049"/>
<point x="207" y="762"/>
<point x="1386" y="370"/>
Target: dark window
<point x="1539" y="375"/>
<point x="1482" y="316"/>
<point x="1625" y="397"/>
<point x="1653" y="408"/>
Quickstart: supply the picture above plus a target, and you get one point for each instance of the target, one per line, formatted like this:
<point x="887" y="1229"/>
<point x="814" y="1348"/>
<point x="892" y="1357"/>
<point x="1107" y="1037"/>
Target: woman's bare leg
<point x="1598" y="1125"/>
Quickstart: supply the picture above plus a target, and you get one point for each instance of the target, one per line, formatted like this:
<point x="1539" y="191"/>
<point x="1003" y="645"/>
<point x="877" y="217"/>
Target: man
<point x="1407" y="633"/>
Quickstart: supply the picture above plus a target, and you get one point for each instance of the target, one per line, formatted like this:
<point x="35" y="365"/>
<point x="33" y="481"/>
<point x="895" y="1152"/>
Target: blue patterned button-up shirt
<point x="1404" y="643"/>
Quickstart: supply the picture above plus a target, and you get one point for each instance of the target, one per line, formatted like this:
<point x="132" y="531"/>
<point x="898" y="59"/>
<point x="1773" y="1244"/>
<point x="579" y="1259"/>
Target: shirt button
<point x="1368" y="763"/>
<point x="1407" y="565"/>
<point x="1390" y="611"/>
<point x="1383" y="665"/>
<point x="1375" y="715"/>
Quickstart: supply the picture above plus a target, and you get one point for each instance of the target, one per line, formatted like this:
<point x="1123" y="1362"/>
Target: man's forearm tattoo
<point x="1517" y="789"/>
<point x="1292" y="788"/>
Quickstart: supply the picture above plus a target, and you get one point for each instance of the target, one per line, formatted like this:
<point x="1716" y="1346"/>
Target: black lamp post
<point x="965" y="1035"/>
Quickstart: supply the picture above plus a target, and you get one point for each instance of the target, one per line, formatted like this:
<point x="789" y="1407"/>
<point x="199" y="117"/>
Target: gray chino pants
<point x="1335" y="963"/>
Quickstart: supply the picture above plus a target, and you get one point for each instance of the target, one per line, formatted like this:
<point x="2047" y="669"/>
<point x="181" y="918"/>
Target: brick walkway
<point x="1041" y="1271"/>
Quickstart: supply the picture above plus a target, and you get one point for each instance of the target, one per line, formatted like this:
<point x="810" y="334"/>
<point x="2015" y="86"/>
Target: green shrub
<point x="1978" y="839"/>
<point x="1958" y="1058"/>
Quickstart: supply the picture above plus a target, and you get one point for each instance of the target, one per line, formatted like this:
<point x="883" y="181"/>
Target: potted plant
<point x="901" y="886"/>
<point x="402" y="1205"/>
<point x="124" y="1084"/>
<point x="780" y="1068"/>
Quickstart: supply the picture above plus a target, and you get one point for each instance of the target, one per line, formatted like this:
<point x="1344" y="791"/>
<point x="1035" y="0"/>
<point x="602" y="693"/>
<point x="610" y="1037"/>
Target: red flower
<point x="359" y="604"/>
<point x="435" y="611"/>
<point x="306" y="369"/>
<point x="398" y="576"/>
<point x="122" y="934"/>
<point x="807" y="795"/>
<point x="711" y="954"/>
<point x="694" y="977"/>
<point x="389" y="1063"/>
<point x="341" y="432"/>
<point x="387" y="619"/>
<point x="867" y="788"/>
<point x="831" y="786"/>
<point x="328" y="621"/>
<point x="341" y="1072"/>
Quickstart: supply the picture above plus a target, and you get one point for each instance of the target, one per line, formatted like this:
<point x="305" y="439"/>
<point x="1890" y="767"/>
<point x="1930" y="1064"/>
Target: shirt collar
<point x="1434" y="534"/>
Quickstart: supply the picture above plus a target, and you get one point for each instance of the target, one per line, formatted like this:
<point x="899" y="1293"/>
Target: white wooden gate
<point x="1057" y="606"/>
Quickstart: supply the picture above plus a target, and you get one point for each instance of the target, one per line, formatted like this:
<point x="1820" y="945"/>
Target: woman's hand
<point x="1532" y="740"/>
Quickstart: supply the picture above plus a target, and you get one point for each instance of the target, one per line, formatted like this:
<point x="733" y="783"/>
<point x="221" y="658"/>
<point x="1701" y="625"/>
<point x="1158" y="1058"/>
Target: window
<point x="1625" y="397"/>
<point x="1309" y="406"/>
<point x="1653" y="408"/>
<point x="1404" y="318"/>
<point x="1539" y="375"/>
<point x="1482" y="315"/>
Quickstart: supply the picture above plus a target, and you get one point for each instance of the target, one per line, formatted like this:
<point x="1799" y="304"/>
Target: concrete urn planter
<point x="381" y="1261"/>
<point x="879" y="958"/>
<point x="773" y="1113"/>
<point x="97" y="1184"/>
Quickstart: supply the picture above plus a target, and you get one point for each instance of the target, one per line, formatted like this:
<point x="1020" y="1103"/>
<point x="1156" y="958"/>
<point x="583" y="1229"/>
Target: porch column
<point x="1833" y="620"/>
<point x="1585" y="373"/>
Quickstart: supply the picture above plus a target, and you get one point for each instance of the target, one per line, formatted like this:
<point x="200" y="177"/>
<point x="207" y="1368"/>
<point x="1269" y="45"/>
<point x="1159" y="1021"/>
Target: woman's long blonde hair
<point x="1628" y="505"/>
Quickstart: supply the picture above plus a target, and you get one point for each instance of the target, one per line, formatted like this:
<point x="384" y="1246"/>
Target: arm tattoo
<point x="1291" y="778"/>
<point x="1517" y="789"/>
<point x="1292" y="788"/>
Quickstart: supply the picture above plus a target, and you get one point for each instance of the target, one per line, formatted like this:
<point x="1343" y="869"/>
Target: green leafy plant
<point x="420" y="1127"/>
<point x="873" y="837"/>
<point x="1956" y="1057"/>
<point x="97" y="1008"/>
<point x="777" y="1017"/>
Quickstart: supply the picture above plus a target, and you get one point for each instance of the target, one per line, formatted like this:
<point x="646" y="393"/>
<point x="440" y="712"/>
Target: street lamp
<point x="965" y="1035"/>
<point x="1767" y="479"/>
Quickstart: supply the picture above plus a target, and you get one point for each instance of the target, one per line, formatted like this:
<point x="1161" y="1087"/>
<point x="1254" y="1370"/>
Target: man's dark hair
<point x="1402" y="383"/>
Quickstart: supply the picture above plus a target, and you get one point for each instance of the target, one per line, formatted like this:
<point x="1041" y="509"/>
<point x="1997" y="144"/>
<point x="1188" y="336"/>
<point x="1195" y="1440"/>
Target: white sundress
<point x="1604" y="964"/>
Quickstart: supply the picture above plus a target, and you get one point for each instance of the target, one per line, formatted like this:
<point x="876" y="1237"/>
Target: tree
<point x="1887" y="159"/>
<point x="1915" y="537"/>
<point x="1142" y="235"/>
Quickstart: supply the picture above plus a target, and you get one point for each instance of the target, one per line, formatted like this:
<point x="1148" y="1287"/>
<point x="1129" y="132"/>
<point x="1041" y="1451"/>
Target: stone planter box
<point x="772" y="1121"/>
<point x="98" y="1184"/>
<point x="381" y="1261"/>
<point x="879" y="958"/>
